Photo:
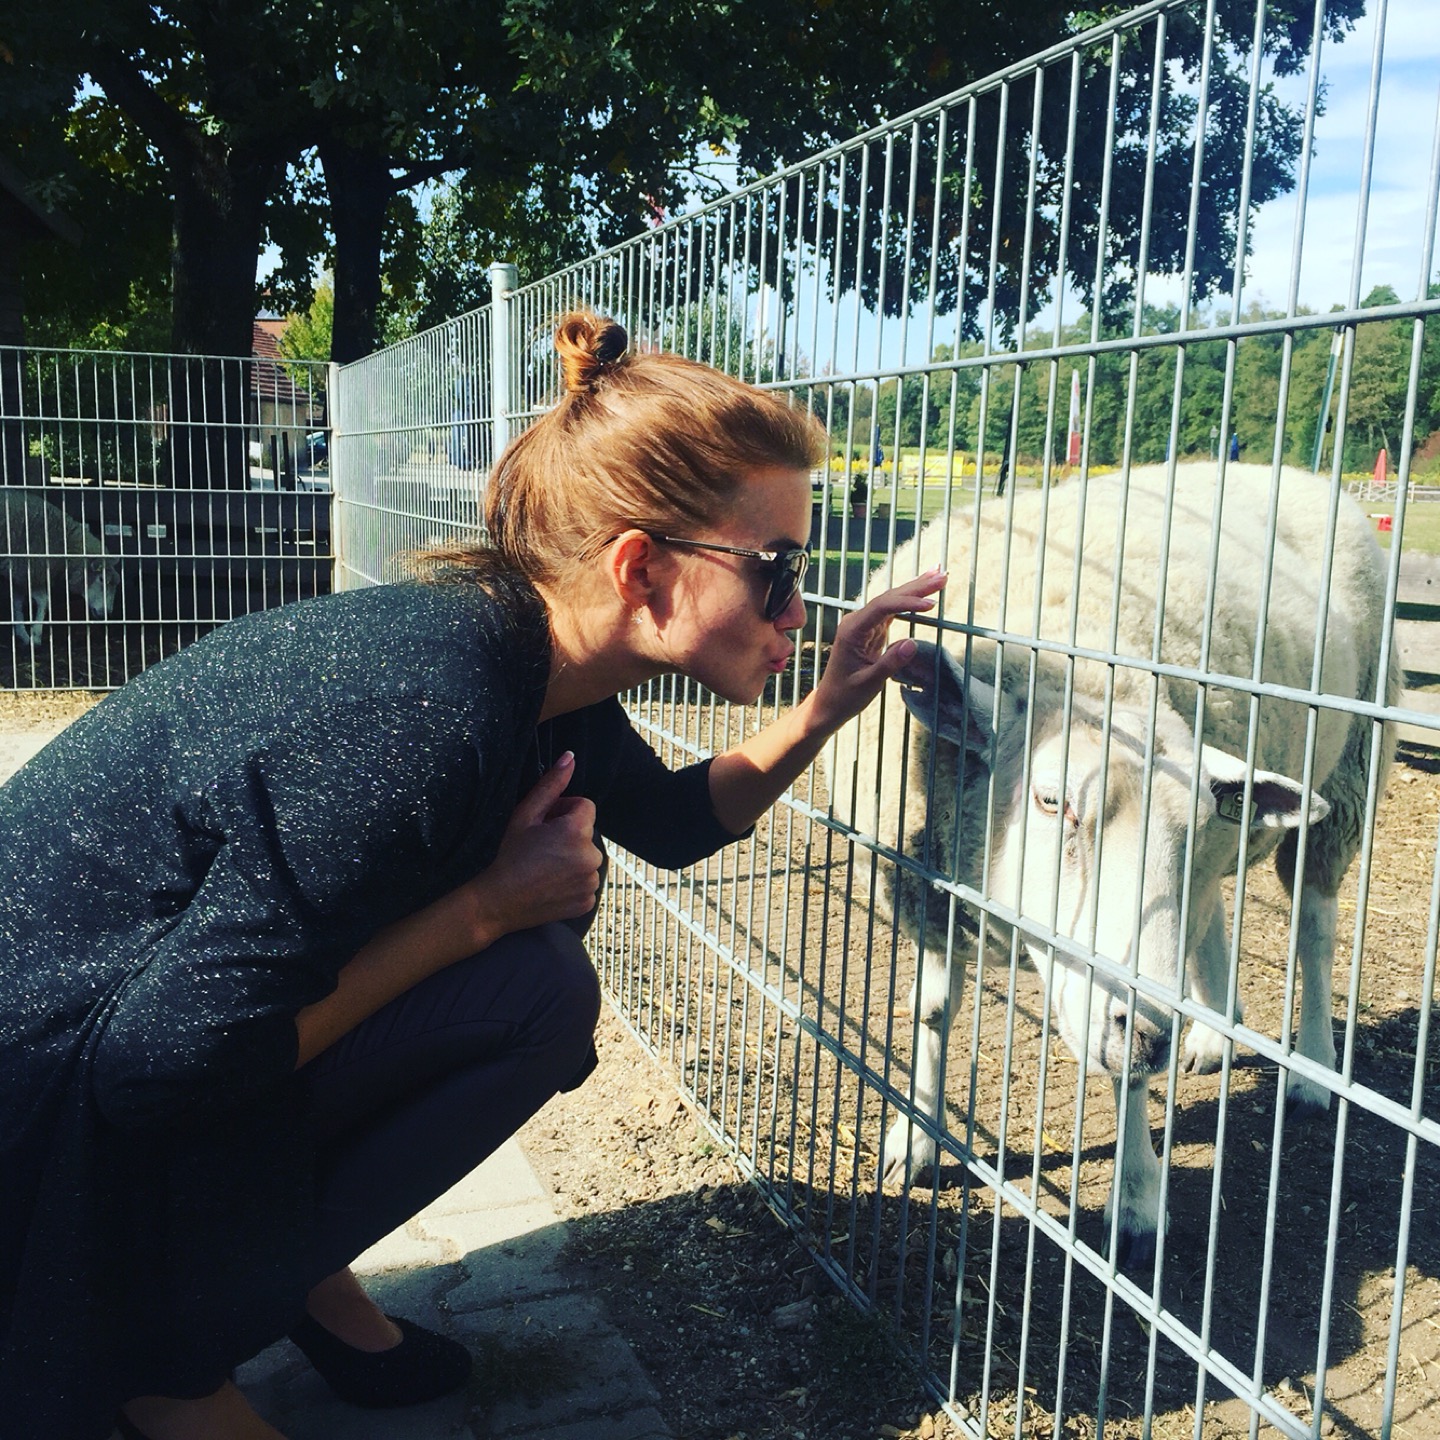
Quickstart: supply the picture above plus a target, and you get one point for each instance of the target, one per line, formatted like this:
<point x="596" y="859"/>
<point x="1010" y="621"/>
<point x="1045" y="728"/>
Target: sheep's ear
<point x="943" y="698"/>
<point x="1276" y="801"/>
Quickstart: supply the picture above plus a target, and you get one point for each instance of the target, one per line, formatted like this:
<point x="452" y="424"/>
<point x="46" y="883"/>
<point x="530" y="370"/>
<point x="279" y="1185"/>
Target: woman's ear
<point x="633" y="569"/>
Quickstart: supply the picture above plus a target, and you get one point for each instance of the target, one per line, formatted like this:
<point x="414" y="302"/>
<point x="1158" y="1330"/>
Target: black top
<point x="182" y="870"/>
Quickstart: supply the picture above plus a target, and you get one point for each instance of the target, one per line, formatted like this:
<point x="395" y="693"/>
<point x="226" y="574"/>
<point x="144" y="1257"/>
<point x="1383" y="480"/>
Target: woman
<point x="289" y="929"/>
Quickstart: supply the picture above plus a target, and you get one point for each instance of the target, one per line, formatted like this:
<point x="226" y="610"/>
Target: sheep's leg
<point x="1329" y="850"/>
<point x="1136" y="1187"/>
<point x="908" y="1150"/>
<point x="99" y="596"/>
<point x="1208" y="982"/>
<point x="32" y="627"/>
<point x="1316" y="1040"/>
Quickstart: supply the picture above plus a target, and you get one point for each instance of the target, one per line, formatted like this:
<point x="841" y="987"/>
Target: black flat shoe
<point x="423" y="1366"/>
<point x="126" y="1430"/>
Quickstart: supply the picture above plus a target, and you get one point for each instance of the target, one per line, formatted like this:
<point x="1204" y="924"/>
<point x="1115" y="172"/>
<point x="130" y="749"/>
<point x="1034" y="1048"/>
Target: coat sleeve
<point x="664" y="816"/>
<point x="329" y="834"/>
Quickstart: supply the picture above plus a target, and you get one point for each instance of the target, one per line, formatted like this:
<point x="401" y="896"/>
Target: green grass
<point x="1422" y="527"/>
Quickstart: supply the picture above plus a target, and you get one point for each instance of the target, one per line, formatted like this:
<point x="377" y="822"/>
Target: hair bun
<point x="586" y="344"/>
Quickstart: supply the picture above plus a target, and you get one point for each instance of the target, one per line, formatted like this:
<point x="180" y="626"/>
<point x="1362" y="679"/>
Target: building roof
<point x="269" y="379"/>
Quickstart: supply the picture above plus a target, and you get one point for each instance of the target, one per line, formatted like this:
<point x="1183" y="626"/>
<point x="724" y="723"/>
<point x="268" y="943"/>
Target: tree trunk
<point x="219" y="219"/>
<point x="221" y="186"/>
<point x="360" y="189"/>
<point x="219" y="224"/>
<point x="14" y="449"/>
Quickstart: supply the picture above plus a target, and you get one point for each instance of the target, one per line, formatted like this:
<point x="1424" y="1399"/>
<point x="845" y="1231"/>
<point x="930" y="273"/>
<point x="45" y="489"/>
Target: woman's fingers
<point x="908" y="596"/>
<point x="860" y="660"/>
<point x="543" y="796"/>
<point x="868" y="627"/>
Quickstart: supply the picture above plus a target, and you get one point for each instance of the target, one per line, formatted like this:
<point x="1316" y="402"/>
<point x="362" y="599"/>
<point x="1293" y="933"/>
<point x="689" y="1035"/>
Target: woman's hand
<point x="547" y="868"/>
<point x="548" y="865"/>
<point x="746" y="781"/>
<point x="860" y="659"/>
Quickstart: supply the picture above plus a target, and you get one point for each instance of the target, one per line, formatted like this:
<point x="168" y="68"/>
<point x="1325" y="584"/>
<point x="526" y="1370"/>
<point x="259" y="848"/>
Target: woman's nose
<point x="792" y="617"/>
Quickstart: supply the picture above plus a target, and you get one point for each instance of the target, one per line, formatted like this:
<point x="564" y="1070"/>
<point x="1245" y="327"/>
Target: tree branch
<point x="419" y="173"/>
<point x="120" y="78"/>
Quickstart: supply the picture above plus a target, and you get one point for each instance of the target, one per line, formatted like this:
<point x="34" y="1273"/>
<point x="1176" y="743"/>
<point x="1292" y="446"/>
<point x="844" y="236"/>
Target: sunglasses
<point x="786" y="568"/>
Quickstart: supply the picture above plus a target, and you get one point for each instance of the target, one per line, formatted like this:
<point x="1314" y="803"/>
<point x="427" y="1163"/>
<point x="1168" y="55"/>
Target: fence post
<point x="337" y="487"/>
<point x="504" y="278"/>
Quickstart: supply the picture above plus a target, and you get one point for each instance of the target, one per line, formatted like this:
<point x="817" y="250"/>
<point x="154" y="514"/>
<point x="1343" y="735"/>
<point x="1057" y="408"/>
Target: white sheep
<point x="47" y="552"/>
<point x="1102" y="805"/>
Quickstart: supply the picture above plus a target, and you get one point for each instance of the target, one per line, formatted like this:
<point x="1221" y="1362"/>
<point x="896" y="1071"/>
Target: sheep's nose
<point x="1152" y="1050"/>
<point x="1150" y="1044"/>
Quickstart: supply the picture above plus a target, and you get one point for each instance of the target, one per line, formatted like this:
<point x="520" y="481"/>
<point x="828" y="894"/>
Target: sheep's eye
<point x="1047" y="799"/>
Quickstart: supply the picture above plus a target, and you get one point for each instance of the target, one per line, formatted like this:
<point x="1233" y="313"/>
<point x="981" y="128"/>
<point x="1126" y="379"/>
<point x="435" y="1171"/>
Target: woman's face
<point x="715" y="630"/>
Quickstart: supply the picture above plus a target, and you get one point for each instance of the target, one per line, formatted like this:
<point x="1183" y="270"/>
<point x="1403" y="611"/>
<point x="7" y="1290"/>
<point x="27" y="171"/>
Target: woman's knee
<point x="548" y="966"/>
<point x="569" y="978"/>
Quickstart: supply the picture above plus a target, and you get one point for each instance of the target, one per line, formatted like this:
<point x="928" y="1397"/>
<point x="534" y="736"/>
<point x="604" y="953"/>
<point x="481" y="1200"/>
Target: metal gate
<point x="146" y="499"/>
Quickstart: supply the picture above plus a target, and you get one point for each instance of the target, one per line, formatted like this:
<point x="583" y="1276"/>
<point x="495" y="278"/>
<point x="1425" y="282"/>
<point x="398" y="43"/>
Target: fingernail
<point x="568" y="758"/>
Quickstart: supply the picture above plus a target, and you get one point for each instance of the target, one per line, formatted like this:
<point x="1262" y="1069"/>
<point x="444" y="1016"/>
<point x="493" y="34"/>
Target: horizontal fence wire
<point x="148" y="499"/>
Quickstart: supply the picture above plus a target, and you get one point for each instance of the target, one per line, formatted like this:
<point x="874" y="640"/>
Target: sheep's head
<point x="96" y="577"/>
<point x="1097" y="827"/>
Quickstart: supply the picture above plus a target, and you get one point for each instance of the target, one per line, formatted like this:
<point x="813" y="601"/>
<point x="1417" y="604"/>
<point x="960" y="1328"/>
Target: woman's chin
<point x="742" y="693"/>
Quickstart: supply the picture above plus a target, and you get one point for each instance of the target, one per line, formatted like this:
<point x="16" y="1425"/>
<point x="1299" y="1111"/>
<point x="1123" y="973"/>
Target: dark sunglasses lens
<point x="790" y="567"/>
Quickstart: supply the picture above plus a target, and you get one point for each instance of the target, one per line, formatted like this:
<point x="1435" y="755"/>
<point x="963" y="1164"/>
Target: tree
<point x="989" y="202"/>
<point x="111" y="291"/>
<point x="442" y="269"/>
<point x="1379" y="379"/>
<point x="307" y="336"/>
<point x="602" y="111"/>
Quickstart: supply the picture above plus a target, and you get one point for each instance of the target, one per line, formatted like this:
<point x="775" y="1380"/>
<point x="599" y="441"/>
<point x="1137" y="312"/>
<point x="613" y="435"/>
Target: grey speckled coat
<point x="181" y="871"/>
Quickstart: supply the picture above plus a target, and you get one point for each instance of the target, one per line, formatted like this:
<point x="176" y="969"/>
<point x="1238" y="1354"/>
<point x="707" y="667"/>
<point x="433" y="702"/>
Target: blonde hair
<point x="641" y="439"/>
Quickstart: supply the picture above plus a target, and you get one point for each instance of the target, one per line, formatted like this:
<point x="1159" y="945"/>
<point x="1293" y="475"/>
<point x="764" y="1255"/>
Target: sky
<point x="1403" y="160"/>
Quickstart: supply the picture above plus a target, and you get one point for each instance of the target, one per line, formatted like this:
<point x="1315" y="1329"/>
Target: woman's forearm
<point x="746" y="781"/>
<point x="396" y="958"/>
<point x="547" y="868"/>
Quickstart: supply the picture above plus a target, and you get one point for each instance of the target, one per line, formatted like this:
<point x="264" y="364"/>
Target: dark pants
<point x="415" y="1097"/>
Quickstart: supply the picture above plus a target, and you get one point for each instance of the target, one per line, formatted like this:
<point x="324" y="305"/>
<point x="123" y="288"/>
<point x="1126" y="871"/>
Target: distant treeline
<point x="1172" y="386"/>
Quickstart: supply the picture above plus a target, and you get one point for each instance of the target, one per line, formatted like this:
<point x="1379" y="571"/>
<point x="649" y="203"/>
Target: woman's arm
<point x="747" y="781"/>
<point x="547" y="868"/>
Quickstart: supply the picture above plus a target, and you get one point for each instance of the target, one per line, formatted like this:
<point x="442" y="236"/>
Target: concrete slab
<point x="482" y="1264"/>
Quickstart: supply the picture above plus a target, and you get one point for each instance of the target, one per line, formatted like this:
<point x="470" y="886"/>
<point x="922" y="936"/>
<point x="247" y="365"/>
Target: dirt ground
<point x="748" y="1334"/>
<point x="42" y="709"/>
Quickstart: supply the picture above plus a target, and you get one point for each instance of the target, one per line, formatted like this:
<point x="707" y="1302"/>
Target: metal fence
<point x="1026" y="316"/>
<point x="148" y="499"/>
<point x="415" y="435"/>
